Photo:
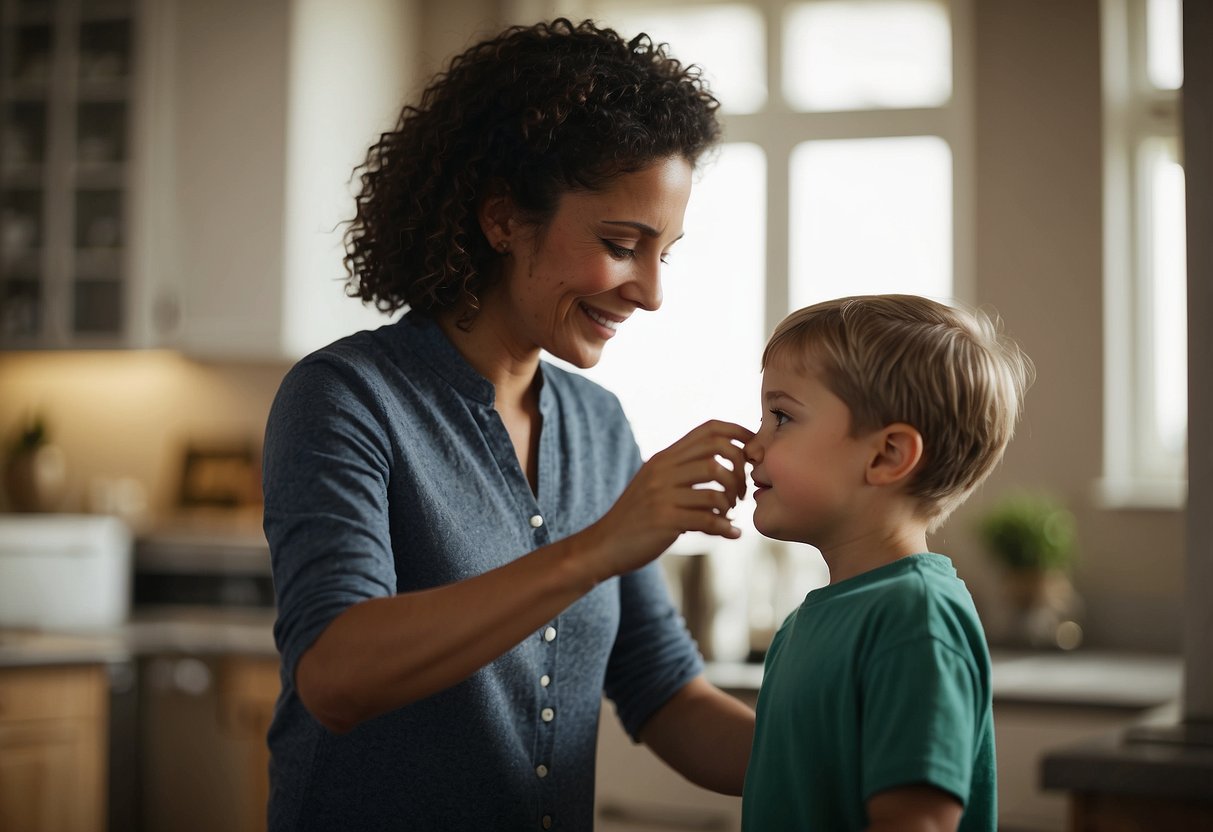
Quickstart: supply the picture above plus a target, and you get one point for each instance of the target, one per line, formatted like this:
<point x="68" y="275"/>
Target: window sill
<point x="1142" y="494"/>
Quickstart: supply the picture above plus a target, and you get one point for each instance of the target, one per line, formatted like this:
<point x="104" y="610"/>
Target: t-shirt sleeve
<point x="325" y="474"/>
<point x="921" y="702"/>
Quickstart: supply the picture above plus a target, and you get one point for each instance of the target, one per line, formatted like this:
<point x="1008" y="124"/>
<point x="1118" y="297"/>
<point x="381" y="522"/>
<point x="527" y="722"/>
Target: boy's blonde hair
<point x="950" y="373"/>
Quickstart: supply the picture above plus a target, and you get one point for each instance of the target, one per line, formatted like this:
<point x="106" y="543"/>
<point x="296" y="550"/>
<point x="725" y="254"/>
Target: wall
<point x="130" y="414"/>
<point x="1038" y="263"/>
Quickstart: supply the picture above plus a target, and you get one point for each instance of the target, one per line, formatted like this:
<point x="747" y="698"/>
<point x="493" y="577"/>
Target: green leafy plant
<point x="30" y="436"/>
<point x="1026" y="531"/>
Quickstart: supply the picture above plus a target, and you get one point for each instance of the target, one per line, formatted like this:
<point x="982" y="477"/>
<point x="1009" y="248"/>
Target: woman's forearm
<point x="386" y="653"/>
<point x="705" y="735"/>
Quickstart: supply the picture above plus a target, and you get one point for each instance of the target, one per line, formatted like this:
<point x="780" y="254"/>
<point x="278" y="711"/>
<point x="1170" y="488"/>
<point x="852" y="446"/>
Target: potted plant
<point x="35" y="470"/>
<point x="1032" y="536"/>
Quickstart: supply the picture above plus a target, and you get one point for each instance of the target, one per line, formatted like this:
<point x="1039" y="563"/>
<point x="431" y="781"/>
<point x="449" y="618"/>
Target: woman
<point x="463" y="536"/>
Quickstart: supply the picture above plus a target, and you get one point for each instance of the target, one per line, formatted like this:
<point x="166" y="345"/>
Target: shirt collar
<point x="423" y="335"/>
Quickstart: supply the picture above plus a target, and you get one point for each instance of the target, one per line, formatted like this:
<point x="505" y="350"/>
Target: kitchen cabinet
<point x="637" y="792"/>
<point x="69" y="102"/>
<point x="175" y="173"/>
<point x="53" y="742"/>
<point x="248" y="689"/>
<point x="1025" y="733"/>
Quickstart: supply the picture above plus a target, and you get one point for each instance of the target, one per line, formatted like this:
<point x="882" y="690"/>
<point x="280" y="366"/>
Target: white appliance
<point x="64" y="572"/>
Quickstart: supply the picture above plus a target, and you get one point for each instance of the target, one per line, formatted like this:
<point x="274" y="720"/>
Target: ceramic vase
<point x="34" y="479"/>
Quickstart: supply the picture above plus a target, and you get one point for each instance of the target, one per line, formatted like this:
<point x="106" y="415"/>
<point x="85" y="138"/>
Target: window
<point x="855" y="183"/>
<point x="1145" y="431"/>
<point x="846" y="168"/>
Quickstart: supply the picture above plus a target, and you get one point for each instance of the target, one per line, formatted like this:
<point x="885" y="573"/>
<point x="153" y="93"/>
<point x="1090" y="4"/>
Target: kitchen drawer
<point x="52" y="693"/>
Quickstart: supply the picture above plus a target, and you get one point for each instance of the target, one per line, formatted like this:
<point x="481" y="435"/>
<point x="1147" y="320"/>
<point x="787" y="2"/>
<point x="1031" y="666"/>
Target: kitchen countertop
<point x="193" y="631"/>
<point x="1132" y="681"/>
<point x="1079" y="679"/>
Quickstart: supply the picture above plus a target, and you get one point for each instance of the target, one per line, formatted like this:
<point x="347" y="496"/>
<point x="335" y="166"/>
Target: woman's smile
<point x="605" y="322"/>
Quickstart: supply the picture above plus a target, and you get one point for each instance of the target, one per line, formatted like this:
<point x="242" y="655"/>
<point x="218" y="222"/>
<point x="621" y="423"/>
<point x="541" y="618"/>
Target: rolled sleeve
<point x="654" y="656"/>
<point x="325" y="473"/>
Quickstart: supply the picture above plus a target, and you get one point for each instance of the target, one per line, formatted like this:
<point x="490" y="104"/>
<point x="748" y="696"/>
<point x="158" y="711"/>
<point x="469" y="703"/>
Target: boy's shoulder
<point x="916" y="598"/>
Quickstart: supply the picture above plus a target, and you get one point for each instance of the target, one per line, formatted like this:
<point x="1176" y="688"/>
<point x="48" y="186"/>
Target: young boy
<point x="881" y="414"/>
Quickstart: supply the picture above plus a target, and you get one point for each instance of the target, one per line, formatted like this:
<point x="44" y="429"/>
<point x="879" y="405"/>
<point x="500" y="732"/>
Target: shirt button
<point x="549" y="634"/>
<point x="536" y="521"/>
<point x="541" y="770"/>
<point x="547" y="714"/>
<point x="547" y="821"/>
<point x="545" y="680"/>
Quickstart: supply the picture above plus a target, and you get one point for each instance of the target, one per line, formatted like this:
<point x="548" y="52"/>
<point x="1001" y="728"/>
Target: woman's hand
<point x="663" y="499"/>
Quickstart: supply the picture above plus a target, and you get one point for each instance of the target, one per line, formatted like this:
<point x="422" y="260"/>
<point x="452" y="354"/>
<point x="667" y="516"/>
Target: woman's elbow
<point x="322" y="693"/>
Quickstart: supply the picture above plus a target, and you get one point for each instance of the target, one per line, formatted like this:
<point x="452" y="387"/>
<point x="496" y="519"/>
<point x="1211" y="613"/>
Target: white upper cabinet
<point x="262" y="111"/>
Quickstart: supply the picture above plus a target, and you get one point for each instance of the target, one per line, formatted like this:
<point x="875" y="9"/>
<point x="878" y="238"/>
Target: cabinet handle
<point x="666" y="817"/>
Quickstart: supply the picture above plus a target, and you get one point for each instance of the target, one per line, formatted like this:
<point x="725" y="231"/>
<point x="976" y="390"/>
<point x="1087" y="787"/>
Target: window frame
<point x="1138" y="473"/>
<point x="777" y="129"/>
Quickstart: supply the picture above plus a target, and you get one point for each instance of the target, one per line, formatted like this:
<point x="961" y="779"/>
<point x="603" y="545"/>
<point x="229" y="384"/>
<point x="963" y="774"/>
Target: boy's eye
<point x="617" y="251"/>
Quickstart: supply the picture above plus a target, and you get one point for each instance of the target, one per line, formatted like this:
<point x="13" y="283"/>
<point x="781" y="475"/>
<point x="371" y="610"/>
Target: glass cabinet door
<point x="66" y="70"/>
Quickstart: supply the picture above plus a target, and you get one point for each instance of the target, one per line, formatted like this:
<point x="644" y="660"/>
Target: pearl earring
<point x="503" y="247"/>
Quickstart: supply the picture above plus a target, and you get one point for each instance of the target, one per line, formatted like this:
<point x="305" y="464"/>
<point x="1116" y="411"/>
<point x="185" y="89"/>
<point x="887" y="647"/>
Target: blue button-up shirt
<point x="386" y="470"/>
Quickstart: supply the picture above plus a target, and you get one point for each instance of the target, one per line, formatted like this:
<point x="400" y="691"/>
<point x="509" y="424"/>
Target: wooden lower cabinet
<point x="1127" y="813"/>
<point x="53" y="746"/>
<point x="248" y="690"/>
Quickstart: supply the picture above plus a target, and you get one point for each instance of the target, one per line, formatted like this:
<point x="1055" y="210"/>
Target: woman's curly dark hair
<point x="538" y="110"/>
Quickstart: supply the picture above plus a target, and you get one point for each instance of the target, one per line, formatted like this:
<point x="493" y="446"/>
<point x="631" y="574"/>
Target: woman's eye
<point x="617" y="251"/>
<point x="780" y="417"/>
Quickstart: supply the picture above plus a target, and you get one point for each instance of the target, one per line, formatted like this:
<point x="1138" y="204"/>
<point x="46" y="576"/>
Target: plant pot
<point x="34" y="480"/>
<point x="1044" y="608"/>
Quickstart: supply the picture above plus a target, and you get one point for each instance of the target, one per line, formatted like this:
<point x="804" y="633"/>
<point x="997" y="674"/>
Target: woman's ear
<point x="898" y="450"/>
<point x="496" y="215"/>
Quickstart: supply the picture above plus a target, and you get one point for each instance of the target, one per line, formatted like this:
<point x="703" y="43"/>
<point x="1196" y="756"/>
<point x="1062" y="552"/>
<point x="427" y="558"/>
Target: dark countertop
<point x="1157" y="758"/>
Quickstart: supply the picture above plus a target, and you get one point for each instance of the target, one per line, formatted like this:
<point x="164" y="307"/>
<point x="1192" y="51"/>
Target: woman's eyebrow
<point x="646" y="230"/>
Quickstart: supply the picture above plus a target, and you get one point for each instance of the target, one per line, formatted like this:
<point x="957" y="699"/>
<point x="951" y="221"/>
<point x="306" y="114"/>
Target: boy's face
<point x="808" y="469"/>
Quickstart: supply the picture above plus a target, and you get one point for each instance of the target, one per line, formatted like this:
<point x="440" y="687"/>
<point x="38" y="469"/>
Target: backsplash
<point x="126" y="416"/>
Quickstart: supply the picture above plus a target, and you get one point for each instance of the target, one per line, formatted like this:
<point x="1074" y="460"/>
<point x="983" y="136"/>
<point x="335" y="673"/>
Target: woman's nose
<point x="645" y="289"/>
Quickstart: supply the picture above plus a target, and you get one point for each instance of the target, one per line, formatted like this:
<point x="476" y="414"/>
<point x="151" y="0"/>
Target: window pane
<point x="870" y="216"/>
<point x="1164" y="43"/>
<point x="1168" y="276"/>
<point x="697" y="358"/>
<point x="859" y="54"/>
<point x="728" y="41"/>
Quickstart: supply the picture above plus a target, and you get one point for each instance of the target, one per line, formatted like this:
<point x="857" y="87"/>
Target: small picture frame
<point x="225" y="476"/>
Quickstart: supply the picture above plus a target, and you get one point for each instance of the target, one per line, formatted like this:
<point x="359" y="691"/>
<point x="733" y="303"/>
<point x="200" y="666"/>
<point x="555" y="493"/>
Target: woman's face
<point x="569" y="286"/>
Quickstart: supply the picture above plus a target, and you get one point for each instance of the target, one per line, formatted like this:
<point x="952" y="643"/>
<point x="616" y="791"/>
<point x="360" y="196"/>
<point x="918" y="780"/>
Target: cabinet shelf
<point x="22" y="177"/>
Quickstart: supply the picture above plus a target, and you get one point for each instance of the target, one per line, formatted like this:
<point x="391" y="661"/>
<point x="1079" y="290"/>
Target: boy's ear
<point x="496" y="216"/>
<point x="897" y="452"/>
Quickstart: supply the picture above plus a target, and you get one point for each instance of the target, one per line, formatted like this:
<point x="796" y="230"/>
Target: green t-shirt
<point x="879" y="681"/>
